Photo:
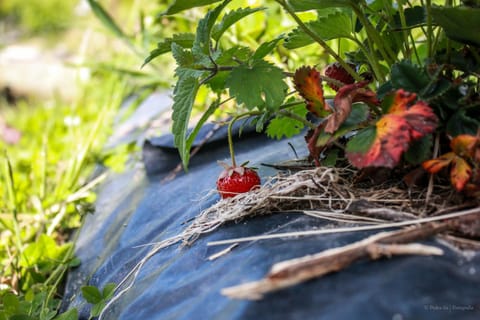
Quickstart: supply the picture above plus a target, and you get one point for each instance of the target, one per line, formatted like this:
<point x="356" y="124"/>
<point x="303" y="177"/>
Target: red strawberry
<point x="337" y="72"/>
<point x="235" y="180"/>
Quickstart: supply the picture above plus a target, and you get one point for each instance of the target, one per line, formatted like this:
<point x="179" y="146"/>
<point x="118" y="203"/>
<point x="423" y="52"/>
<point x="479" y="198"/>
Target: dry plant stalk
<point x="292" y="272"/>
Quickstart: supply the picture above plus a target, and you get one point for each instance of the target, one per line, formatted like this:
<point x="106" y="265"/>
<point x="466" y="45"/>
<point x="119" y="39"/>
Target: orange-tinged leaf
<point x="464" y="145"/>
<point x="435" y="165"/>
<point x="308" y="82"/>
<point x="401" y="101"/>
<point x="395" y="130"/>
<point x="391" y="140"/>
<point x="460" y="173"/>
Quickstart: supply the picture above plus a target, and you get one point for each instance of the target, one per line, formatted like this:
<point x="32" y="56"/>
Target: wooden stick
<point x="291" y="272"/>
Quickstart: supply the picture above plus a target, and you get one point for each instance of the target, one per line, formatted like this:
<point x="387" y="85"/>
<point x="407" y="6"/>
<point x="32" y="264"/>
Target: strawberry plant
<point x="402" y="76"/>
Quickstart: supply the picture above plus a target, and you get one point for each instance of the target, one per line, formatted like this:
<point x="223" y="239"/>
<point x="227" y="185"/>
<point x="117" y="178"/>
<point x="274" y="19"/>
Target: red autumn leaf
<point x="394" y="131"/>
<point x="343" y="101"/>
<point x="391" y="140"/>
<point x="309" y="84"/>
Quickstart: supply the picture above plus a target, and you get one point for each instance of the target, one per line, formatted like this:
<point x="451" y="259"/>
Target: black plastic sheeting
<point x="136" y="208"/>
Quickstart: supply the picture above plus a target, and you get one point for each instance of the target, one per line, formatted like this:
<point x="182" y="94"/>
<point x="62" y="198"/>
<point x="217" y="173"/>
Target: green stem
<point x="371" y="60"/>
<point x="294" y="116"/>
<point x="428" y="8"/>
<point x="230" y="141"/>
<point x="12" y="198"/>
<point x="319" y="40"/>
<point x="373" y="35"/>
<point x="405" y="33"/>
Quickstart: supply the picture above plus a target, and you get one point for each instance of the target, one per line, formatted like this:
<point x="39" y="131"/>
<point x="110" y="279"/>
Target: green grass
<point x="47" y="188"/>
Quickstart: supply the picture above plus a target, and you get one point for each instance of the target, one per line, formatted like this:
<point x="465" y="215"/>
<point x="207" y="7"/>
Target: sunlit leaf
<point x="333" y="26"/>
<point x="181" y="5"/>
<point x="284" y="126"/>
<point x="304" y="5"/>
<point x="309" y="84"/>
<point x="231" y="18"/>
<point x="257" y="84"/>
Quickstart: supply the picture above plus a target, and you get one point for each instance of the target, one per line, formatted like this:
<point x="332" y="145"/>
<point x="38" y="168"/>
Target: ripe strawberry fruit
<point x="235" y="180"/>
<point x="337" y="72"/>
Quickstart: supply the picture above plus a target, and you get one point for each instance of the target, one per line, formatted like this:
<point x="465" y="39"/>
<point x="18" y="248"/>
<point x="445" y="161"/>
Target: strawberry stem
<point x="230" y="140"/>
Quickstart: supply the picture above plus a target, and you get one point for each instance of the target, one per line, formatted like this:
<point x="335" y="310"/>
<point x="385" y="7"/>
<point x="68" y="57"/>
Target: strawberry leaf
<point x="394" y="132"/>
<point x="464" y="145"/>
<point x="333" y="26"/>
<point x="347" y="95"/>
<point x="460" y="173"/>
<point x="419" y="150"/>
<point x="409" y="77"/>
<point x="391" y="140"/>
<point x="257" y="84"/>
<point x="358" y="115"/>
<point x="435" y="165"/>
<point x="309" y="84"/>
<point x="284" y="126"/>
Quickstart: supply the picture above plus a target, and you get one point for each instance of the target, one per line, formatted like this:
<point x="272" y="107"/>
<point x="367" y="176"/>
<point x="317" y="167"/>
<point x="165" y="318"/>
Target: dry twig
<point x="295" y="271"/>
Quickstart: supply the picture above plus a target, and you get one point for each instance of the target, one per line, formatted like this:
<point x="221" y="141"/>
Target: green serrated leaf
<point x="283" y="126"/>
<point x="91" y="294"/>
<point x="419" y="150"/>
<point x="183" y="57"/>
<point x="265" y="48"/>
<point x="231" y="18"/>
<point x="459" y="23"/>
<point x="227" y="57"/>
<point x="182" y="5"/>
<point x="304" y="5"/>
<point x="362" y="141"/>
<point x="183" y="99"/>
<point x="184" y="40"/>
<point x="333" y="26"/>
<point x="201" y="45"/>
<point x="71" y="314"/>
<point x="257" y="84"/>
<point x="460" y="123"/>
<point x="409" y="77"/>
